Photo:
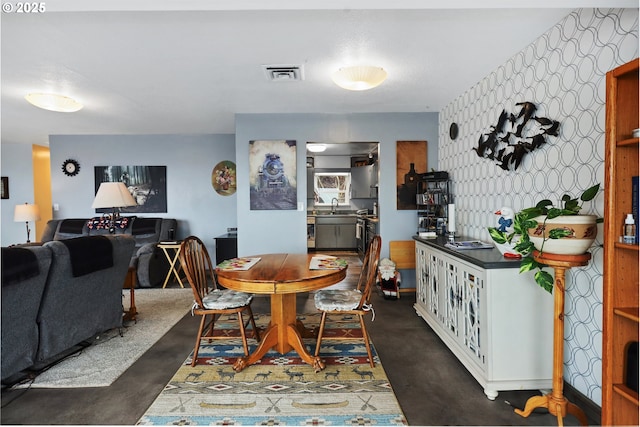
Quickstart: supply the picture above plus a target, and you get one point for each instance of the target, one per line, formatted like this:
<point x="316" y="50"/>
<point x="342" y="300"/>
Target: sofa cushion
<point x="89" y="254"/>
<point x="70" y="228"/>
<point x="145" y="226"/>
<point x="18" y="264"/>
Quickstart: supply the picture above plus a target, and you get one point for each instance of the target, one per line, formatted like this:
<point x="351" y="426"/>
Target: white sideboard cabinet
<point x="498" y="323"/>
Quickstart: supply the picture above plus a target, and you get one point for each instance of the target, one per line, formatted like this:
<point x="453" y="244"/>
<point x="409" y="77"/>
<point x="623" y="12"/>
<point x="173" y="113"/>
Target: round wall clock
<point x="453" y="130"/>
<point x="70" y="167"/>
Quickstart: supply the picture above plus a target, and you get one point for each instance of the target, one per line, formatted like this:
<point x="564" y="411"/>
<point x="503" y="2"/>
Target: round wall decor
<point x="223" y="178"/>
<point x="453" y="130"/>
<point x="70" y="167"/>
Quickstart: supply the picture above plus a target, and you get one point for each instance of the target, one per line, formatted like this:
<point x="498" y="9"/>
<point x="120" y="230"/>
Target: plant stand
<point x="555" y="401"/>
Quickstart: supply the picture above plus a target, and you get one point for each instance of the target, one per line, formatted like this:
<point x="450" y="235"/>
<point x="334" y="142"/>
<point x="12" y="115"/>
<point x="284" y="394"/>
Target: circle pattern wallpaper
<point x="563" y="73"/>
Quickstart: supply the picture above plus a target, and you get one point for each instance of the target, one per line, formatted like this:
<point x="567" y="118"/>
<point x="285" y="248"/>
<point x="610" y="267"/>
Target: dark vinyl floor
<point x="432" y="387"/>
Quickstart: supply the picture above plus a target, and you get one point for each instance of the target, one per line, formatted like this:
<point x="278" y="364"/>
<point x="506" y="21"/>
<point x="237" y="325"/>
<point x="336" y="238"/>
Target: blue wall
<point x="17" y="165"/>
<point x="284" y="231"/>
<point x="189" y="159"/>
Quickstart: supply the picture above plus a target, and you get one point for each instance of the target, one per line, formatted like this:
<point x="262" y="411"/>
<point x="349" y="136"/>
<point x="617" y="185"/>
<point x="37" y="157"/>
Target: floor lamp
<point x="113" y="195"/>
<point x="26" y="213"/>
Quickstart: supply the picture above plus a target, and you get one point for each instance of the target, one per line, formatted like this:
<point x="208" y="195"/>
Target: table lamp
<point x="26" y="213"/>
<point x="113" y="195"/>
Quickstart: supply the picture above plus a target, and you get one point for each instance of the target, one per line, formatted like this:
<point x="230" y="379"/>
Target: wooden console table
<point x="555" y="401"/>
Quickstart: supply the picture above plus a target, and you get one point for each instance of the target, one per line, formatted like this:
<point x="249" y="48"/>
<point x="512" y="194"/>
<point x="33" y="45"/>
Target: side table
<point x="174" y="265"/>
<point x="555" y="402"/>
<point x="130" y="282"/>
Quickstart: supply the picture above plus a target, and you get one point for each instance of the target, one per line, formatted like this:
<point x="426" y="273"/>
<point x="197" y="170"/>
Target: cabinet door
<point x="433" y="283"/>
<point x="361" y="182"/>
<point x="325" y="236"/>
<point x="346" y="236"/>
<point x="452" y="296"/>
<point x="422" y="275"/>
<point x="472" y="282"/>
<point x="310" y="183"/>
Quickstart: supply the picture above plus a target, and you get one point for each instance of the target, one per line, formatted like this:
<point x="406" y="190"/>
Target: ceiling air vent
<point x="283" y="73"/>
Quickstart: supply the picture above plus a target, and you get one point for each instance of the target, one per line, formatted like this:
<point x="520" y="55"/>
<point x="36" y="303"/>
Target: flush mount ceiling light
<point x="316" y="148"/>
<point x="54" y="102"/>
<point x="359" y="77"/>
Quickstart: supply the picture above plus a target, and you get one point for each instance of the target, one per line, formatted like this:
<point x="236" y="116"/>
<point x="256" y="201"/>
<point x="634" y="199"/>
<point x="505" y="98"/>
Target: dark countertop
<point x="486" y="258"/>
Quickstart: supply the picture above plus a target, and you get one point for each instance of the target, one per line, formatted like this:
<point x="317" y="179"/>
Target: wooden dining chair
<point x="352" y="301"/>
<point x="209" y="300"/>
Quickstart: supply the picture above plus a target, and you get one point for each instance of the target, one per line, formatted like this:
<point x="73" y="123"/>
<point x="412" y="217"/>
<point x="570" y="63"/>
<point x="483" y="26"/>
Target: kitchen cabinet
<point x="620" y="281"/>
<point x="335" y="232"/>
<point x="310" y="183"/>
<point x="495" y="321"/>
<point x="363" y="182"/>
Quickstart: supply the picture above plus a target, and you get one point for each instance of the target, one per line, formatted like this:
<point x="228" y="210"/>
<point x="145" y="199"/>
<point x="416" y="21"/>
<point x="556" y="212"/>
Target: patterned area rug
<point x="280" y="389"/>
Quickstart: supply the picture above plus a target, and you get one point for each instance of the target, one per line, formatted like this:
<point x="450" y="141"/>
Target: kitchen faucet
<point x="333" y="208"/>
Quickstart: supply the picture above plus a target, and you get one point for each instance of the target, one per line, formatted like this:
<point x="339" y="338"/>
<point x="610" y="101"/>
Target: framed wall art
<point x="4" y="189"/>
<point x="272" y="175"/>
<point x="147" y="185"/>
<point x="411" y="162"/>
<point x="223" y="178"/>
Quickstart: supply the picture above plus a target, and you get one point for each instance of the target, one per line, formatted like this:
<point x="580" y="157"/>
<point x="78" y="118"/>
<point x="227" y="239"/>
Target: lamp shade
<point x="26" y="212"/>
<point x="359" y="77"/>
<point x="113" y="195"/>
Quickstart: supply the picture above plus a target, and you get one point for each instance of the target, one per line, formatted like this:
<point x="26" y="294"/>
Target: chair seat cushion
<point x="226" y="298"/>
<point x="337" y="299"/>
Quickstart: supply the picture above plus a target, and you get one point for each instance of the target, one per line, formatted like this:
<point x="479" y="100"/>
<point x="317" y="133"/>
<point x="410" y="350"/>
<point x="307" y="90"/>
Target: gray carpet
<point x="112" y="352"/>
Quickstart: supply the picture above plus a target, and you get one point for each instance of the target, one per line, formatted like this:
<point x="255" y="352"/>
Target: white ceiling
<point x="169" y="67"/>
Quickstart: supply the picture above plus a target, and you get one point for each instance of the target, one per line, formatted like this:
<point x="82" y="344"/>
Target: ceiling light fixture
<point x="316" y="148"/>
<point x="54" y="102"/>
<point x="359" y="77"/>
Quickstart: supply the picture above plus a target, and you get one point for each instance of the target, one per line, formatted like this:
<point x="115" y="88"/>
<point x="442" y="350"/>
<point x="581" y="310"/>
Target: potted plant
<point x="545" y="227"/>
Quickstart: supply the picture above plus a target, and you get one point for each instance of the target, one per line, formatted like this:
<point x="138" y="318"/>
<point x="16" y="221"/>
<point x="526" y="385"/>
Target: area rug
<point x="280" y="389"/>
<point x="110" y="354"/>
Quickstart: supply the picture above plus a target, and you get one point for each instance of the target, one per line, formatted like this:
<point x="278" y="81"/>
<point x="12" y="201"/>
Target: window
<point x="330" y="185"/>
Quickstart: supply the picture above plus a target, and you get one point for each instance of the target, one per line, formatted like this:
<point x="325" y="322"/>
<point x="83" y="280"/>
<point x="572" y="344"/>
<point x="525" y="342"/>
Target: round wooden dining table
<point x="281" y="276"/>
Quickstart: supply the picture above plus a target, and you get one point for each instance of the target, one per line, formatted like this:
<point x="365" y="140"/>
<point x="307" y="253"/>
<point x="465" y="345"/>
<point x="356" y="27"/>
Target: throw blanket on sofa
<point x="18" y="264"/>
<point x="89" y="254"/>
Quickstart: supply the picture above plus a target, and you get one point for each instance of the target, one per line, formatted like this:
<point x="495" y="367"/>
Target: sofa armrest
<point x="147" y="248"/>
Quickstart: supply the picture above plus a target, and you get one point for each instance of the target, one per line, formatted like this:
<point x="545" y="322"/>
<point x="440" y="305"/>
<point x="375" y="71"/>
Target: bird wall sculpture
<point x="515" y="135"/>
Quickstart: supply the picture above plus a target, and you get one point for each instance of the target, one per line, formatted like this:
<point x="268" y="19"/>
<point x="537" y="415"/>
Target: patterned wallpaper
<point x="563" y="74"/>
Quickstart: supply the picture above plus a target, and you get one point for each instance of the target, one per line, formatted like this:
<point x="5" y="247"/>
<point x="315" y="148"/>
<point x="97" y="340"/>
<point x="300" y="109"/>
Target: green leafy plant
<point x="524" y="220"/>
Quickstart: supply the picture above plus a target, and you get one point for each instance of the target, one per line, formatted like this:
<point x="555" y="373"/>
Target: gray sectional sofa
<point x="59" y="294"/>
<point x="150" y="263"/>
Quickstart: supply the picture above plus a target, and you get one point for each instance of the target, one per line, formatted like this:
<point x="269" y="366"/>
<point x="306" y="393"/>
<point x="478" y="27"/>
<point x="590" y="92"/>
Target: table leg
<point x="283" y="334"/>
<point x="130" y="282"/>
<point x="555" y="401"/>
<point x="172" y="267"/>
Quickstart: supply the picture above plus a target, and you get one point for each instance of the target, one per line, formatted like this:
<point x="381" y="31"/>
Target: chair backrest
<point x="197" y="266"/>
<point x="367" y="278"/>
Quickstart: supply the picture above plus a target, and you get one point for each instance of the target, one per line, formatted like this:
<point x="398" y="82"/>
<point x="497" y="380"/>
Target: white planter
<point x="583" y="232"/>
